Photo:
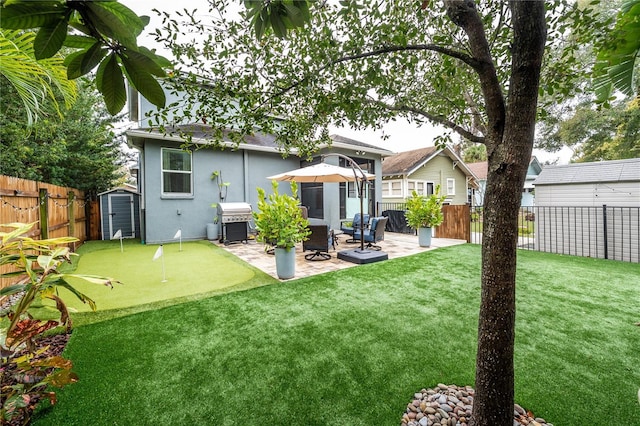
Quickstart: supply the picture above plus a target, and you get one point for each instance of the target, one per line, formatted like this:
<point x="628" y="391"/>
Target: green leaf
<point x="126" y="15"/>
<point x="111" y="24"/>
<point x="144" y="82"/>
<point x="160" y="60"/>
<point x="279" y="27"/>
<point x="92" y="57"/>
<point x="79" y="41"/>
<point x="50" y="38"/>
<point x="19" y="16"/>
<point x="144" y="62"/>
<point x="110" y="83"/>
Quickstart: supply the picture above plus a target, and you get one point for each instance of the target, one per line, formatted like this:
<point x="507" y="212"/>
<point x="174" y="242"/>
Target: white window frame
<point x="163" y="171"/>
<point x="451" y="186"/>
<point x="388" y="189"/>
<point x="421" y="187"/>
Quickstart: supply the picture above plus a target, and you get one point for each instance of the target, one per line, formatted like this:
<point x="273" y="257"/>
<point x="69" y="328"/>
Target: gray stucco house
<point x="177" y="190"/>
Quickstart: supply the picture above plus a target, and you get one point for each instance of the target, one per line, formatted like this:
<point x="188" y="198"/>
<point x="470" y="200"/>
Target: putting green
<point x="199" y="268"/>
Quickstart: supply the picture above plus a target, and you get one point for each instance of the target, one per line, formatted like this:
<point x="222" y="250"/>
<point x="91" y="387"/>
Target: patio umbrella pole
<point x="362" y="255"/>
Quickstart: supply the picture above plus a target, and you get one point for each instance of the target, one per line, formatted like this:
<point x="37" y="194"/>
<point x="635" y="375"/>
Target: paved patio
<point x="394" y="244"/>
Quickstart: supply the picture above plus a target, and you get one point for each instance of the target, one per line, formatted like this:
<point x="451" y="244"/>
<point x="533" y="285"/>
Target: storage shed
<point x="119" y="210"/>
<point x="590" y="209"/>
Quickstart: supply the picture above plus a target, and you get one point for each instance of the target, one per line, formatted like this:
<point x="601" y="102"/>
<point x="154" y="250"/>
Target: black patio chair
<point x="374" y="234"/>
<point x="319" y="241"/>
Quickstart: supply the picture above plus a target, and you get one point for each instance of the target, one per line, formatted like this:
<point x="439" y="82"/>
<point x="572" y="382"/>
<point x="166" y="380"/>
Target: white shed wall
<point x="619" y="194"/>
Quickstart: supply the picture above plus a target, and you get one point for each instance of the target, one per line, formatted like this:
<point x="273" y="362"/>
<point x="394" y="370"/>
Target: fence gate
<point x="457" y="223"/>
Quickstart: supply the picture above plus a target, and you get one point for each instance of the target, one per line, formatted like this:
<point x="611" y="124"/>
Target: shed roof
<point x="602" y="171"/>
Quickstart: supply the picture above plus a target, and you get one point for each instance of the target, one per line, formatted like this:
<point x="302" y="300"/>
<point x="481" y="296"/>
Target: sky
<point x="402" y="135"/>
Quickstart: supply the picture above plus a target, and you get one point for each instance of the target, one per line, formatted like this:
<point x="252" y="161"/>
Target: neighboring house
<point x="480" y="171"/>
<point x="528" y="194"/>
<point x="590" y="209"/>
<point x="177" y="190"/>
<point x="423" y="170"/>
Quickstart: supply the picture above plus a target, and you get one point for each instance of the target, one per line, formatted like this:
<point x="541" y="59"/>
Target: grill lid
<point x="234" y="208"/>
<point x="234" y="212"/>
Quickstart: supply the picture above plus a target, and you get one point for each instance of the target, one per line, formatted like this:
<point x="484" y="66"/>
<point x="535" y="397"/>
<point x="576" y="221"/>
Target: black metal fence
<point x="603" y="232"/>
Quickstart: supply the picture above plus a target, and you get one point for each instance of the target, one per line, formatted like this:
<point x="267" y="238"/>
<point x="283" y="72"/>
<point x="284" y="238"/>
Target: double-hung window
<point x="451" y="186"/>
<point x="176" y="173"/>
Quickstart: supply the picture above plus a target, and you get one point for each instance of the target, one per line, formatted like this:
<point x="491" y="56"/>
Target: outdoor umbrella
<point x="321" y="172"/>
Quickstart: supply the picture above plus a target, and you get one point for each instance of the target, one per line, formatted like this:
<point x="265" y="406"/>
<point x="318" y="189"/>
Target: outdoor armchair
<point x="319" y="241"/>
<point x="355" y="226"/>
<point x="374" y="234"/>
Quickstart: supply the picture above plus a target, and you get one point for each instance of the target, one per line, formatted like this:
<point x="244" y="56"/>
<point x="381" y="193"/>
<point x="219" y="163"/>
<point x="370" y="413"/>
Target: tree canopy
<point x="77" y="149"/>
<point x="102" y="34"/>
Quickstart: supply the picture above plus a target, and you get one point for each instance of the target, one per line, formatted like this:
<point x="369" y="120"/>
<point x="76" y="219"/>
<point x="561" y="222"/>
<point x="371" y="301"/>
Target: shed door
<point x="121" y="215"/>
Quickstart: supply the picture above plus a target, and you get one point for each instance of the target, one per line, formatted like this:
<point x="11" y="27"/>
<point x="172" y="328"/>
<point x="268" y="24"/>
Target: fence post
<point x="43" y="198"/>
<point x="71" y="212"/>
<point x="604" y="225"/>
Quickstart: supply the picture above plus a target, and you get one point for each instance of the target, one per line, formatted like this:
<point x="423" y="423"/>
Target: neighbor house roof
<point x="479" y="169"/>
<point x="403" y="163"/>
<point x="602" y="171"/>
<point x="406" y="163"/>
<point x="202" y="134"/>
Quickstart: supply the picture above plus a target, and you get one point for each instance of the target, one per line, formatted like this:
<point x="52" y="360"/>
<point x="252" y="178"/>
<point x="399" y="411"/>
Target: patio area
<point x="394" y="244"/>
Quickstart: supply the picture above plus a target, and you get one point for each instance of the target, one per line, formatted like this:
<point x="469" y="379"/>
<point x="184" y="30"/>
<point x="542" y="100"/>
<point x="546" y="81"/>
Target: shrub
<point x="25" y="315"/>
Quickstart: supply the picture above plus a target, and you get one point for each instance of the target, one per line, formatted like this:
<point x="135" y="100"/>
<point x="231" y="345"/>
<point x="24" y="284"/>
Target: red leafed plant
<point x="32" y="266"/>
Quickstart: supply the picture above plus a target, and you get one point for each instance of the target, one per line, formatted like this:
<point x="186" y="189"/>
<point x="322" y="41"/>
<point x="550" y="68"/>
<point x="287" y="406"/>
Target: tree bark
<point x="508" y="161"/>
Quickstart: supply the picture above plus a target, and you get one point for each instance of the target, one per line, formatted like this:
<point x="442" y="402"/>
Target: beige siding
<point x="437" y="170"/>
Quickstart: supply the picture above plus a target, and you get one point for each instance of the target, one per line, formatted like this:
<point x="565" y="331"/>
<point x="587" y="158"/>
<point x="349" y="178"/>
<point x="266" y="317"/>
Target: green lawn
<point x="199" y="270"/>
<point x="351" y="347"/>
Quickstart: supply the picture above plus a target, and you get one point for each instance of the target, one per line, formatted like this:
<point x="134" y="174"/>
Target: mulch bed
<point x="56" y="345"/>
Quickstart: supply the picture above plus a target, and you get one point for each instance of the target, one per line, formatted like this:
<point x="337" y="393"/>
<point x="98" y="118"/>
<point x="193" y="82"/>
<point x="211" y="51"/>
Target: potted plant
<point x="279" y="222"/>
<point x="212" y="228"/>
<point x="424" y="213"/>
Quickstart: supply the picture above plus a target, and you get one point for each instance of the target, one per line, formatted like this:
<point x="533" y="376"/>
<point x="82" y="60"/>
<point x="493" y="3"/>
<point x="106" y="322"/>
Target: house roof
<point x="202" y="134"/>
<point x="602" y="171"/>
<point x="479" y="169"/>
<point x="406" y="163"/>
<point x="403" y="163"/>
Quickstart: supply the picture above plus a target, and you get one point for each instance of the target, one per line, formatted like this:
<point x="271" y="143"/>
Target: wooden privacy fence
<point x="456" y="224"/>
<point x="59" y="211"/>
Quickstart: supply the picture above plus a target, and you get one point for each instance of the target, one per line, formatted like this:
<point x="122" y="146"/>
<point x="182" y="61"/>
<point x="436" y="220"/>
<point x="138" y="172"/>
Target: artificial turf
<point x="192" y="270"/>
<point x="352" y="347"/>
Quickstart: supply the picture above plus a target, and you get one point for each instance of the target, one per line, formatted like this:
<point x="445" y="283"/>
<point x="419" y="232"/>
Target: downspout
<point x="245" y="167"/>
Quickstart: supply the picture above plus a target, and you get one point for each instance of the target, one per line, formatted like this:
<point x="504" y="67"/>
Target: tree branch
<point x="434" y="118"/>
<point x="464" y="14"/>
<point x="382" y="51"/>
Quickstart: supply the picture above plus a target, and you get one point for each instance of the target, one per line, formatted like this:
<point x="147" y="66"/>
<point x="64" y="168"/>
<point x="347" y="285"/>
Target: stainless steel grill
<point x="234" y="212"/>
<point x="234" y="218"/>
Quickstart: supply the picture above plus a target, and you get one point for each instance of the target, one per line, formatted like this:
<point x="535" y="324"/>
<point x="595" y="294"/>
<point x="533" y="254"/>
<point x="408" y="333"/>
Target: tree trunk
<point x="508" y="159"/>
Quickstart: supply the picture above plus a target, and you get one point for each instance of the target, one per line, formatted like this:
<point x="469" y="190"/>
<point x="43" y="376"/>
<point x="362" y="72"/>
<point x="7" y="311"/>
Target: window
<point x="176" y="172"/>
<point x="420" y="186"/>
<point x="451" y="186"/>
<point x="392" y="188"/>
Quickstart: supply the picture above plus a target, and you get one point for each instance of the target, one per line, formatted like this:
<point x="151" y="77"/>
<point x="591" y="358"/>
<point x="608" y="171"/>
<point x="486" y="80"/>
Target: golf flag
<point x="179" y="235"/>
<point x="158" y="254"/>
<point x="117" y="235"/>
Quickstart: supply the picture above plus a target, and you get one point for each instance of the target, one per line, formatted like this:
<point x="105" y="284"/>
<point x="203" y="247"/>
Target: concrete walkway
<point x="395" y="245"/>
